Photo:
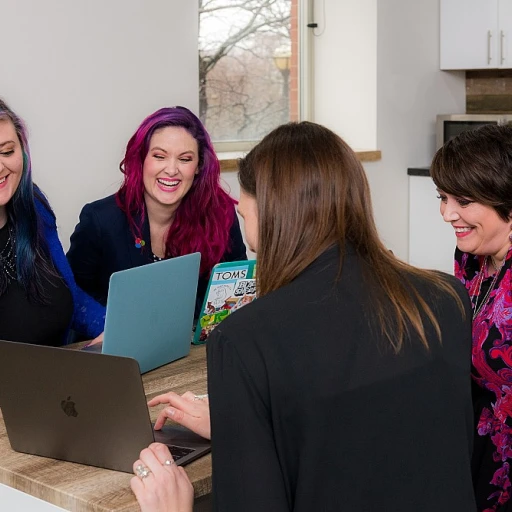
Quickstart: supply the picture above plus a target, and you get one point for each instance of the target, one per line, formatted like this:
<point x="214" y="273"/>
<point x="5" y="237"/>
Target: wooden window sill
<point x="229" y="161"/>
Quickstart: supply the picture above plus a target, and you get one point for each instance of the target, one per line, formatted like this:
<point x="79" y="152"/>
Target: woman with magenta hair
<point x="170" y="204"/>
<point x="39" y="300"/>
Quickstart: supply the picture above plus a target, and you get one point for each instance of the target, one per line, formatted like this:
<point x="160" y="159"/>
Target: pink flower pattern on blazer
<point x="492" y="365"/>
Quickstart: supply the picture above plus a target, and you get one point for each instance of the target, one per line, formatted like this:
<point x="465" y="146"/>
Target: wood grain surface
<point x="83" y="488"/>
<point x="230" y="163"/>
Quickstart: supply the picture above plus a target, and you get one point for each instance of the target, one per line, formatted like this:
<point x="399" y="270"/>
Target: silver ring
<point x="200" y="397"/>
<point x="142" y="471"/>
<point x="168" y="462"/>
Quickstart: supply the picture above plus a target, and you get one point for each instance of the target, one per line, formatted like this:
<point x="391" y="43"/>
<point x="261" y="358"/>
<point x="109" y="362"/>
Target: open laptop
<point x="82" y="407"/>
<point x="150" y="312"/>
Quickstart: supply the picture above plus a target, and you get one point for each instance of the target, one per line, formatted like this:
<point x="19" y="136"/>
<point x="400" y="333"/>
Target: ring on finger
<point x="168" y="462"/>
<point x="200" y="397"/>
<point x="142" y="471"/>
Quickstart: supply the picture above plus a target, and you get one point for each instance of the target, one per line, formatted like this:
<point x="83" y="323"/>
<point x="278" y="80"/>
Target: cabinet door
<point x="505" y="33"/>
<point x="431" y="240"/>
<point x="469" y="34"/>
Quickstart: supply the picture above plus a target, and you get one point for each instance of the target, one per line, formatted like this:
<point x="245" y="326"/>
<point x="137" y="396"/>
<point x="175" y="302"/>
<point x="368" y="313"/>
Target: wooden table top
<point x="83" y="488"/>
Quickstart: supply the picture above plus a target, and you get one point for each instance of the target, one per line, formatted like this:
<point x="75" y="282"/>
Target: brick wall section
<point x="489" y="91"/>
<point x="294" y="62"/>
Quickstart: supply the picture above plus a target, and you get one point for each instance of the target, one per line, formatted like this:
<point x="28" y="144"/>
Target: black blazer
<point x="311" y="410"/>
<point x="102" y="244"/>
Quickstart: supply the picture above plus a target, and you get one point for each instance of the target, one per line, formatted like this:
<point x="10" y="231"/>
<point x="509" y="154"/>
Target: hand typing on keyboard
<point x="191" y="411"/>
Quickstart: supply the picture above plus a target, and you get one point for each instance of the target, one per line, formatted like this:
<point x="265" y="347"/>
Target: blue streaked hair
<point x="33" y="261"/>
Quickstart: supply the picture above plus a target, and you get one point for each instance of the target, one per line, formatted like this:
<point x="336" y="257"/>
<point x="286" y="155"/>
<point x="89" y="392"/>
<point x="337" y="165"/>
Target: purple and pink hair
<point x="203" y="219"/>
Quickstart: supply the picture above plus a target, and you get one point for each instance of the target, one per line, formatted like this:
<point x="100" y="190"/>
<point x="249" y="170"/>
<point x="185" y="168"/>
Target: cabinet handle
<point x="489" y="35"/>
<point x="502" y="46"/>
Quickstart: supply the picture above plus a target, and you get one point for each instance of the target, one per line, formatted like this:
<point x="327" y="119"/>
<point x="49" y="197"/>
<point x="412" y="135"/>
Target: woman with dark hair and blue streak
<point x="39" y="299"/>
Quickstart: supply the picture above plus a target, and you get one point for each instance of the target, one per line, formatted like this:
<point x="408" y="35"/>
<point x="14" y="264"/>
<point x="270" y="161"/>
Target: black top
<point x="25" y="320"/>
<point x="103" y="243"/>
<point x="312" y="411"/>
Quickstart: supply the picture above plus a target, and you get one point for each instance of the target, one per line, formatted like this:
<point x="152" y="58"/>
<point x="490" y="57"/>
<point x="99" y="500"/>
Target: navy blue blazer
<point x="102" y="244"/>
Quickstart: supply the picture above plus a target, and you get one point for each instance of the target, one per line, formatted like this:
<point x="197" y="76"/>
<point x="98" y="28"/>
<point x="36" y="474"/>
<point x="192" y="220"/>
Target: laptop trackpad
<point x="184" y="444"/>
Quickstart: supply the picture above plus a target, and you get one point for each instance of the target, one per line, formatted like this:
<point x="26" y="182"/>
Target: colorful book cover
<point x="232" y="285"/>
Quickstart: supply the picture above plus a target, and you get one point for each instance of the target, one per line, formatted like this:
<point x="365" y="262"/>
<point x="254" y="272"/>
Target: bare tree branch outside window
<point x="243" y="71"/>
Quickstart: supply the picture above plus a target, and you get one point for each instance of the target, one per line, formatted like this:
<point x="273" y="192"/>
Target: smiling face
<point x="248" y="210"/>
<point x="11" y="165"/>
<point x="169" y="167"/>
<point x="478" y="227"/>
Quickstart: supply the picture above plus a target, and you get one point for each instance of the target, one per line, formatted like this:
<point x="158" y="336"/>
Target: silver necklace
<point x="8" y="257"/>
<point x="478" y="307"/>
<point x="496" y="266"/>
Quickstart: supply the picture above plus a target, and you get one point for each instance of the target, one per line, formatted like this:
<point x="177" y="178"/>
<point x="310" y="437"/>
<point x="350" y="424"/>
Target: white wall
<point x="410" y="91"/>
<point x="345" y="69"/>
<point x="83" y="74"/>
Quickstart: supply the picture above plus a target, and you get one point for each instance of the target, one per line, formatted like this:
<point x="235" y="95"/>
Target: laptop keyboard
<point x="178" y="452"/>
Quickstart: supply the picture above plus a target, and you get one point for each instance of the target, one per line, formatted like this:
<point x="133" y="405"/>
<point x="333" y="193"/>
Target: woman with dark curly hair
<point x="473" y="175"/>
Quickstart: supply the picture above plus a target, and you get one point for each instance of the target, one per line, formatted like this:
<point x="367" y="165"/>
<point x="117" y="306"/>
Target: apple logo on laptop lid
<point x="68" y="406"/>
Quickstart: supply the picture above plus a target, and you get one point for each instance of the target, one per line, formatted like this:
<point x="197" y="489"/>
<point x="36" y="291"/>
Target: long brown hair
<point x="312" y="193"/>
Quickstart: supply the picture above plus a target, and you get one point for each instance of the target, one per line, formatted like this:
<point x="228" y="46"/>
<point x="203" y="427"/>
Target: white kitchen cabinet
<point x="431" y="240"/>
<point x="505" y="34"/>
<point x="12" y="499"/>
<point x="476" y="34"/>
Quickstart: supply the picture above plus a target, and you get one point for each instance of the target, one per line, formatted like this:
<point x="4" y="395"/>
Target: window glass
<point x="248" y="67"/>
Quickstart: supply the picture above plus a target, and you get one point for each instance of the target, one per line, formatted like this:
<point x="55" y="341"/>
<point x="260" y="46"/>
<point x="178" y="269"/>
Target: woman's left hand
<point x="160" y="485"/>
<point x="190" y="410"/>
<point x="95" y="341"/>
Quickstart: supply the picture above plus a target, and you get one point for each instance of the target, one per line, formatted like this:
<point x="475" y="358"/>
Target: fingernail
<point x="170" y="411"/>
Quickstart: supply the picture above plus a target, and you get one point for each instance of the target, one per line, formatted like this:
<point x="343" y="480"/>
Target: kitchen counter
<point x="418" y="171"/>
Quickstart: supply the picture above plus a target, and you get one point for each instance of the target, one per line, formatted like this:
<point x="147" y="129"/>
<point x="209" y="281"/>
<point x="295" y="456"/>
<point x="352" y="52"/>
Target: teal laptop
<point x="150" y="312"/>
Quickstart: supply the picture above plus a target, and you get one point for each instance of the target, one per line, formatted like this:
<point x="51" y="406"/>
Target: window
<point x="248" y="68"/>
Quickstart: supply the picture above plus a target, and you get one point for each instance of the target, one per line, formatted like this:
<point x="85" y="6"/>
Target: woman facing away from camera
<point x="346" y="384"/>
<point x="171" y="203"/>
<point x="473" y="174"/>
<point x="39" y="300"/>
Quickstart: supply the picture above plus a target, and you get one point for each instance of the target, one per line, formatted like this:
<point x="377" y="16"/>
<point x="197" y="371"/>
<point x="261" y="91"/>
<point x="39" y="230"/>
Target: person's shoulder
<point x="43" y="208"/>
<point x="104" y="216"/>
<point x="246" y="325"/>
<point x="446" y="278"/>
<point x="102" y="206"/>
<point x="436" y="296"/>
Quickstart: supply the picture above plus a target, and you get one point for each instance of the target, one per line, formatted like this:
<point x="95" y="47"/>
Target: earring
<point x="510" y="237"/>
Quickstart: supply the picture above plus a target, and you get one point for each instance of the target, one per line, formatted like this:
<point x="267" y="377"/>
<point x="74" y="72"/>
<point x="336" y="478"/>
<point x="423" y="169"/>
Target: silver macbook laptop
<point x="150" y="312"/>
<point x="82" y="407"/>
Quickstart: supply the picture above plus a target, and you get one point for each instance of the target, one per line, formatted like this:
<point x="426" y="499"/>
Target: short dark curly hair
<point x="477" y="165"/>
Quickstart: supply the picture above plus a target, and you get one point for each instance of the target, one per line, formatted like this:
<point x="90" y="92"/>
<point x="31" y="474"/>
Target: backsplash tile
<point x="489" y="91"/>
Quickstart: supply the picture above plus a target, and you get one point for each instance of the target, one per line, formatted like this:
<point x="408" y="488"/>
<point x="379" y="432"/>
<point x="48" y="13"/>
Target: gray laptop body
<point x="150" y="311"/>
<point x="82" y="407"/>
